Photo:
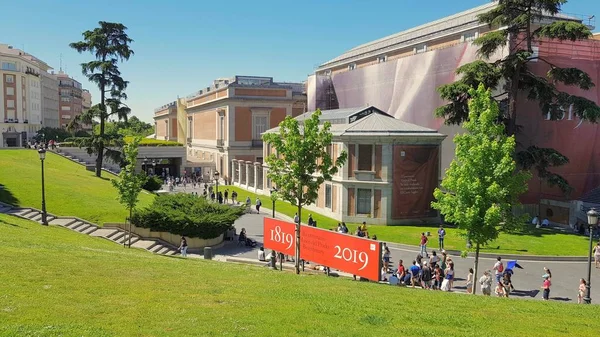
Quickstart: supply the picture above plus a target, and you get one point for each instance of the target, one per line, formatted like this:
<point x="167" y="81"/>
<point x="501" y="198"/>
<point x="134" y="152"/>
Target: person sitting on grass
<point x="401" y="271"/>
<point x="261" y="254"/>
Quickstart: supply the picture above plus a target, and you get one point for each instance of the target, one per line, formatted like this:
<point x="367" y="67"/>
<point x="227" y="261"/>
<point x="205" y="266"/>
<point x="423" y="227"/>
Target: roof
<point x="367" y="121"/>
<point x="451" y="24"/>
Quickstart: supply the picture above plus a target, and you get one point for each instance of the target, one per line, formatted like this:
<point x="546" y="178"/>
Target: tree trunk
<point x="297" y="259"/>
<point x="130" y="211"/>
<point x="475" y="279"/>
<point x="102" y="121"/>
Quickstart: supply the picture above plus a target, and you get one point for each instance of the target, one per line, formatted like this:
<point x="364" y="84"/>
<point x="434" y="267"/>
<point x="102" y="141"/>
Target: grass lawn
<point x="70" y="189"/>
<point x="56" y="282"/>
<point x="531" y="241"/>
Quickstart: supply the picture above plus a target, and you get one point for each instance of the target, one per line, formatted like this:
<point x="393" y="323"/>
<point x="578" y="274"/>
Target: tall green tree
<point x="109" y="44"/>
<point x="129" y="185"/>
<point x="301" y="162"/>
<point x="483" y="184"/>
<point x="511" y="75"/>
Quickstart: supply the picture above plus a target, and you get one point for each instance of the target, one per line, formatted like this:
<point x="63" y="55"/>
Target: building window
<point x="65" y="108"/>
<point x="259" y="160"/>
<point x="65" y="99"/>
<point x="10" y="79"/>
<point x="381" y="59"/>
<point x="352" y="66"/>
<point x="363" y="201"/>
<point x="221" y="126"/>
<point x="328" y="72"/>
<point x="10" y="91"/>
<point x="328" y="195"/>
<point x="9" y="66"/>
<point x="420" y="49"/>
<point x="261" y="124"/>
<point x="10" y="103"/>
<point x="469" y="36"/>
<point x="365" y="157"/>
<point x="190" y="128"/>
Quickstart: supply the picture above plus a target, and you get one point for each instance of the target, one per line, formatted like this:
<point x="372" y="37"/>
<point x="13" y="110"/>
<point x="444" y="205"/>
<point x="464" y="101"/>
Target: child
<point x="470" y="281"/>
<point x="500" y="290"/>
<point x="581" y="291"/>
<point x="546" y="287"/>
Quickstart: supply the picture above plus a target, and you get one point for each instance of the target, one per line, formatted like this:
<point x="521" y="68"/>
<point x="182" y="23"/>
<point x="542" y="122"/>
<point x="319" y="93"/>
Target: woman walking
<point x="546" y="288"/>
<point x="470" y="281"/>
<point x="183" y="247"/>
<point x="597" y="255"/>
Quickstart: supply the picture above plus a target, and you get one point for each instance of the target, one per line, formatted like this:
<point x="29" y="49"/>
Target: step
<point x="103" y="232"/>
<point x="134" y="239"/>
<point x="32" y="214"/>
<point x="20" y="212"/>
<point x="117" y="237"/>
<point x="62" y="222"/>
<point x="171" y="252"/>
<point x="144" y="244"/>
<point x="38" y="218"/>
<point x="156" y="248"/>
<point x="162" y="250"/>
<point x="75" y="224"/>
<point x="116" y="233"/>
<point x="90" y="230"/>
<point x="83" y="227"/>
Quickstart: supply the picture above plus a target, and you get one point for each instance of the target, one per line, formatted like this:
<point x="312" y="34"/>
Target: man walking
<point x="423" y="245"/>
<point x="441" y="235"/>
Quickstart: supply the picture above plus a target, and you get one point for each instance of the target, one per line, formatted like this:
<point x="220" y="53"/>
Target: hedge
<point x="187" y="215"/>
<point x="153" y="183"/>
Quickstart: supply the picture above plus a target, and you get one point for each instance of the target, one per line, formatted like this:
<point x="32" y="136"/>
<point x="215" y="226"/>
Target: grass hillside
<point x="70" y="189"/>
<point x="56" y="282"/>
<point x="531" y="241"/>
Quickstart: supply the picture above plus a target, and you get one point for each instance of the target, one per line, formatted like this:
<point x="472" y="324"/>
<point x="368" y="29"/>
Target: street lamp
<point x="154" y="166"/>
<point x="145" y="168"/>
<point x="273" y="198"/>
<point x="42" y="154"/>
<point x="592" y="221"/>
<point x="217" y="185"/>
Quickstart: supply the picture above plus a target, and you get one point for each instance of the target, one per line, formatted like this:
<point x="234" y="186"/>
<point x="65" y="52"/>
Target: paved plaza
<point x="527" y="281"/>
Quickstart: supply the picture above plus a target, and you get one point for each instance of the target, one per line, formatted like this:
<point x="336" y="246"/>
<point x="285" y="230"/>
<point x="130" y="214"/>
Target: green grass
<point x="530" y="241"/>
<point x="70" y="189"/>
<point x="154" y="142"/>
<point x="56" y="282"/>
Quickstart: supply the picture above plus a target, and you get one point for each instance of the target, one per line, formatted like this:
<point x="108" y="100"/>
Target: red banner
<point x="279" y="236"/>
<point x="350" y="254"/>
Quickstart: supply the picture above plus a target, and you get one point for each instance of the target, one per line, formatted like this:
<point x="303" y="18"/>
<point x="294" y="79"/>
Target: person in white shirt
<point x="296" y="218"/>
<point x="499" y="269"/>
<point x="536" y="221"/>
<point x="545" y="222"/>
<point x="261" y="254"/>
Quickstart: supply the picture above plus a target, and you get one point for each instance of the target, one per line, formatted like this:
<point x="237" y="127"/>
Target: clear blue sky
<point x="181" y="46"/>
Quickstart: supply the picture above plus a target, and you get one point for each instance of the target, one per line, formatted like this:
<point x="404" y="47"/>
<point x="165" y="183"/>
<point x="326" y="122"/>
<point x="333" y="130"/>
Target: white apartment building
<point x="50" y="100"/>
<point x="20" y="96"/>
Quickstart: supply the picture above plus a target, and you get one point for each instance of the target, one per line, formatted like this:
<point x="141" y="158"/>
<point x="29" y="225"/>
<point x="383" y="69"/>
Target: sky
<point x="181" y="46"/>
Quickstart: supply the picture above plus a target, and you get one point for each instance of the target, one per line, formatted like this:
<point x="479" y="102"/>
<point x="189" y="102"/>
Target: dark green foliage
<point x="187" y="215"/>
<point x="47" y="133"/>
<point x="153" y="183"/>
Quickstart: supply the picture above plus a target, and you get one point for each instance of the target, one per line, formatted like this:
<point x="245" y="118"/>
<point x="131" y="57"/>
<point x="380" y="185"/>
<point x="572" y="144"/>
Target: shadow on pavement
<point x="524" y="293"/>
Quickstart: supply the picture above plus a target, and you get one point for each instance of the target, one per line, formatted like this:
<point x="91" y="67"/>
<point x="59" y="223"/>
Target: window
<point x="189" y="128"/>
<point x="328" y="195"/>
<point x="65" y="108"/>
<point x="10" y="91"/>
<point x="328" y="72"/>
<point x="381" y="59"/>
<point x="221" y="127"/>
<point x="10" y="103"/>
<point x="363" y="202"/>
<point x="469" y="36"/>
<point x="259" y="160"/>
<point x="352" y="66"/>
<point x="261" y="125"/>
<point x="65" y="99"/>
<point x="365" y="157"/>
<point x="10" y="79"/>
<point x="420" y="49"/>
<point x="9" y="66"/>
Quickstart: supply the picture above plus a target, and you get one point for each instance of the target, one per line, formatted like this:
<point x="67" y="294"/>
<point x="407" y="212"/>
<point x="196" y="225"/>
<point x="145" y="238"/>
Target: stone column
<point x="242" y="168"/>
<point x="259" y="176"/>
<point x="255" y="167"/>
<point x="248" y="168"/>
<point x="232" y="171"/>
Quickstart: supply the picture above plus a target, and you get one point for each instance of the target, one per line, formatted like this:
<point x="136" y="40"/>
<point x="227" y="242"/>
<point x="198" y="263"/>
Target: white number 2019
<point x="352" y="255"/>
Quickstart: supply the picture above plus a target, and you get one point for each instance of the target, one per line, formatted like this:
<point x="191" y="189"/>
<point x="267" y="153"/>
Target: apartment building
<point x="403" y="71"/>
<point x="71" y="98"/>
<point x="225" y="120"/>
<point x="20" y="96"/>
<point x="50" y="99"/>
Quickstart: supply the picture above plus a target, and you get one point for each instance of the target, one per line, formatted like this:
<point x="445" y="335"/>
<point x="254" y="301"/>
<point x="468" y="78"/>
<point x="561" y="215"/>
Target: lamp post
<point x="145" y="168"/>
<point x="592" y="221"/>
<point x="217" y="185"/>
<point x="154" y="166"/>
<point x="42" y="153"/>
<point x="273" y="198"/>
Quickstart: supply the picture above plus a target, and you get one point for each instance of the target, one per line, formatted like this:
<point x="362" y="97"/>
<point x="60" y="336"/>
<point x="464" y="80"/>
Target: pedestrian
<point x="426" y="276"/>
<point x="423" y="245"/>
<point x="486" y="283"/>
<point x="500" y="290"/>
<point x="183" y="247"/>
<point x="226" y="195"/>
<point x="310" y="220"/>
<point x="547" y="273"/>
<point x="470" y="281"/>
<point x="249" y="203"/>
<point x="386" y="259"/>
<point x="344" y="228"/>
<point x="258" y="204"/>
<point x="364" y="229"/>
<point x="581" y="291"/>
<point x="498" y="268"/>
<point x="546" y="288"/>
<point x="449" y="272"/>
<point x="441" y="235"/>
<point x="434" y="259"/>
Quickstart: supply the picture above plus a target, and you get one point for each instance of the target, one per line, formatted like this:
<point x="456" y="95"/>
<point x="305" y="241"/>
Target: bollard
<point x="208" y="253"/>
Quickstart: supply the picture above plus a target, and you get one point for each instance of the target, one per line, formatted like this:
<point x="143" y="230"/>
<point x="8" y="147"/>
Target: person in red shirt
<point x="401" y="272"/>
<point x="546" y="288"/>
<point x="423" y="245"/>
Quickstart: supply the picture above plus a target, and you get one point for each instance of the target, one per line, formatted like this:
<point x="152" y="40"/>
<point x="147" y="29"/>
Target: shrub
<point x="187" y="215"/>
<point x="153" y="183"/>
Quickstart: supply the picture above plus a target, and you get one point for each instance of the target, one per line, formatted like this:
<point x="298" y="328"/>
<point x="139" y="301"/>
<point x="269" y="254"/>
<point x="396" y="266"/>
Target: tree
<point x="47" y="133"/>
<point x="523" y="30"/>
<point x="483" y="184"/>
<point x="109" y="43"/>
<point x="301" y="162"/>
<point x="133" y="126"/>
<point x="129" y="185"/>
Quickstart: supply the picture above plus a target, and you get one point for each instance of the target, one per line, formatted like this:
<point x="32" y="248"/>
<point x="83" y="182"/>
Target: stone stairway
<point x="82" y="162"/>
<point x="114" y="234"/>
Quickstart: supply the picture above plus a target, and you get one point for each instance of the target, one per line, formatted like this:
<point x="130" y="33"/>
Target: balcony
<point x="220" y="142"/>
<point x="257" y="143"/>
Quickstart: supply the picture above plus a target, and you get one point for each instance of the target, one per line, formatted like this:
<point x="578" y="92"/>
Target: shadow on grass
<point x="2" y="222"/>
<point x="7" y="197"/>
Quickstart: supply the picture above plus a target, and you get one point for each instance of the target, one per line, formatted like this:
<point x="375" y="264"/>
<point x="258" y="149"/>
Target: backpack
<point x="501" y="267"/>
